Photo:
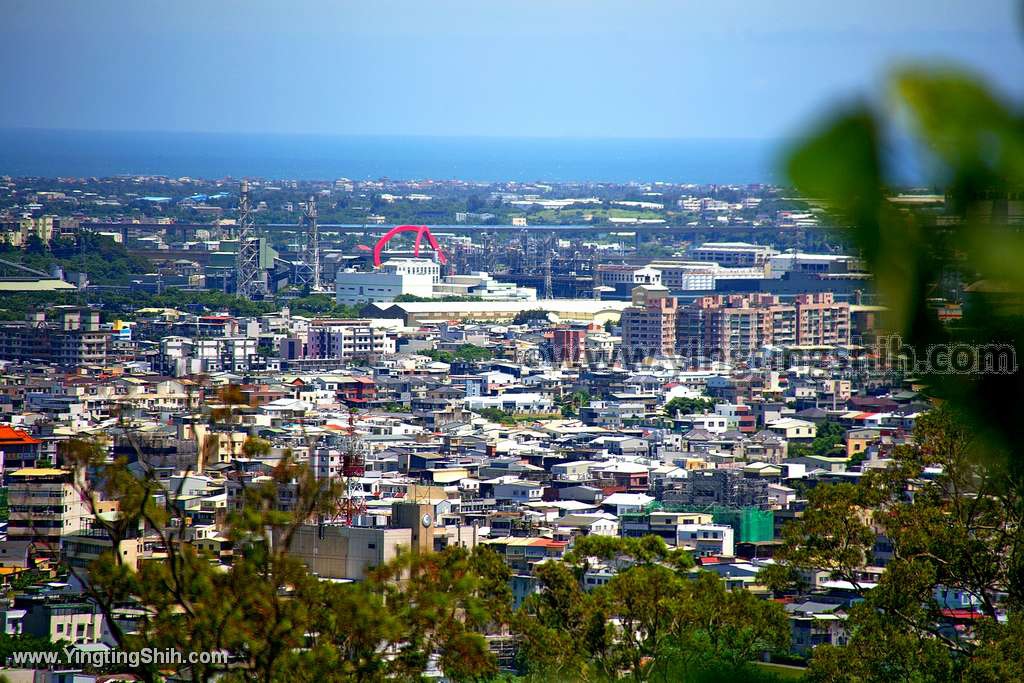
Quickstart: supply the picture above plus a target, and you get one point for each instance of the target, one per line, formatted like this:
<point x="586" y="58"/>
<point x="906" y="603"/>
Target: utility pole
<point x="250" y="280"/>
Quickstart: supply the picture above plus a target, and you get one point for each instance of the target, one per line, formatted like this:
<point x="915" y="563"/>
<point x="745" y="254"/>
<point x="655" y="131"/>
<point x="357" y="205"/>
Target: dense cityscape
<point x="511" y="342"/>
<point x="545" y="368"/>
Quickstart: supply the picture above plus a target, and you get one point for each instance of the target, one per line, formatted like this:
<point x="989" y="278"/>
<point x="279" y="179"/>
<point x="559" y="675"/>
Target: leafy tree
<point x="473" y="353"/>
<point x="687" y="406"/>
<point x="495" y="415"/>
<point x="561" y="628"/>
<point x="644" y="600"/>
<point x="957" y="531"/>
<point x="11" y="643"/>
<point x="34" y="245"/>
<point x="827" y="441"/>
<point x="273" y="617"/>
<point x="576" y="400"/>
<point x="465" y="352"/>
<point x="321" y="305"/>
<point x="960" y="528"/>
<point x="528" y="316"/>
<point x="626" y="551"/>
<point x="732" y="627"/>
<point x="972" y="142"/>
<point x="652" y="621"/>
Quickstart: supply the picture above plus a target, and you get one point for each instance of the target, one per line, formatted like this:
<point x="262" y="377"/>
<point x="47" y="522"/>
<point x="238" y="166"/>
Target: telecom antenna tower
<point x="251" y="280"/>
<point x="309" y="272"/>
<point x="353" y="466"/>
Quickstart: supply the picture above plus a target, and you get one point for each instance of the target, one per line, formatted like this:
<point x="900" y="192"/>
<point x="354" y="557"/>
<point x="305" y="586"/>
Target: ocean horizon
<point x="79" y="153"/>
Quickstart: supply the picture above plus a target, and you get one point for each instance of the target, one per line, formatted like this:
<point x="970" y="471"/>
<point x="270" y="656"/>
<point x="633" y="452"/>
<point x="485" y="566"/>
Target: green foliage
<point x="627" y="551"/>
<point x="687" y="406"/>
<point x="524" y="317"/>
<point x="255" y="447"/>
<point x="570" y="406"/>
<point x="28" y="578"/>
<point x="212" y="300"/>
<point x="974" y="143"/>
<point x="106" y="261"/>
<point x="321" y="305"/>
<point x="495" y="415"/>
<point x="9" y="644"/>
<point x="828" y="441"/>
<point x="650" y="622"/>
<point x="470" y="353"/>
<point x="962" y="529"/>
<point x="276" y="619"/>
<point x="958" y="531"/>
<point x="500" y="416"/>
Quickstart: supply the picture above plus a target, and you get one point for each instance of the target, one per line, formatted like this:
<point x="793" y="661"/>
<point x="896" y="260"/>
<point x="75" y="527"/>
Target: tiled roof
<point x="10" y="437"/>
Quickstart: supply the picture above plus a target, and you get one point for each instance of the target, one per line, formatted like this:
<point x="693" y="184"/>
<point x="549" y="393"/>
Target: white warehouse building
<point x="396" y="276"/>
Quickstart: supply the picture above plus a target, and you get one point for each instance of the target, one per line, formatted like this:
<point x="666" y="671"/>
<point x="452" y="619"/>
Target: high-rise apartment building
<point x="821" y="320"/>
<point x="67" y="336"/>
<point x="567" y="345"/>
<point x="44" y="505"/>
<point x="347" y="339"/>
<point x="726" y="326"/>
<point x="649" y="324"/>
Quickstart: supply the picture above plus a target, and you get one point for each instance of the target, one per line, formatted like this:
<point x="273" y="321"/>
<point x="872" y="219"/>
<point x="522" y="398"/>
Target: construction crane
<point x="250" y="279"/>
<point x="309" y="270"/>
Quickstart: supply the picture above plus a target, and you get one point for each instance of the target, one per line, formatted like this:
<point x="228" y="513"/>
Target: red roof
<point x="10" y="436"/>
<point x="962" y="614"/>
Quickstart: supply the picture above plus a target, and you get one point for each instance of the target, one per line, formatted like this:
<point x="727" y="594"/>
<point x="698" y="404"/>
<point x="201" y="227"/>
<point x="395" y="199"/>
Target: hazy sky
<point x="586" y="68"/>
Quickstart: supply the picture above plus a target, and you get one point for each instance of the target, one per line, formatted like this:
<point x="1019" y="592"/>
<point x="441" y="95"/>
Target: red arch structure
<point x="420" y="230"/>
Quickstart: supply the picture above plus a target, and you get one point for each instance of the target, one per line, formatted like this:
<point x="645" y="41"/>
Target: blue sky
<point x="581" y="68"/>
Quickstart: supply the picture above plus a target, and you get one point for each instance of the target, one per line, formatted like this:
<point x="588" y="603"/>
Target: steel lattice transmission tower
<point x="309" y="271"/>
<point x="251" y="280"/>
<point x="549" y="253"/>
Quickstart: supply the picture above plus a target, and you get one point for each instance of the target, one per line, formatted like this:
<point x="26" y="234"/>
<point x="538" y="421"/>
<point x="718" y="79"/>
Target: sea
<point x="77" y="153"/>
